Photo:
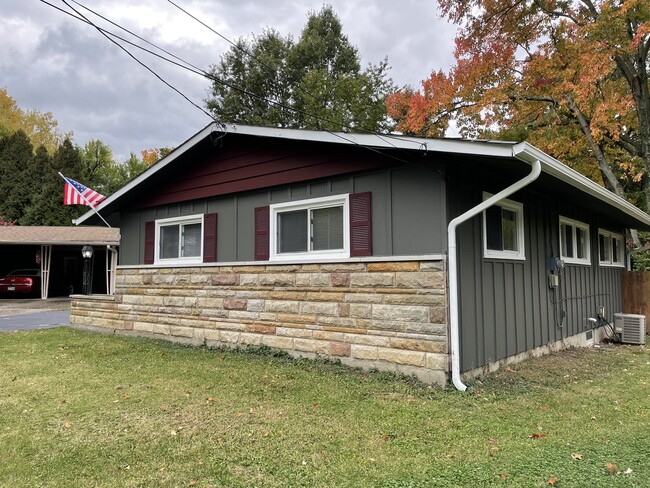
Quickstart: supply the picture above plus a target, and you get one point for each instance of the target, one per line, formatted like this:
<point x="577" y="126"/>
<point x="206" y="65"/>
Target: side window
<point x="315" y="228"/>
<point x="575" y="245"/>
<point x="611" y="248"/>
<point x="179" y="240"/>
<point x="503" y="230"/>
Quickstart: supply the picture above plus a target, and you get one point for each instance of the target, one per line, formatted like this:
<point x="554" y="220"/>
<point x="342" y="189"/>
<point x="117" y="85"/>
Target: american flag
<point x="74" y="193"/>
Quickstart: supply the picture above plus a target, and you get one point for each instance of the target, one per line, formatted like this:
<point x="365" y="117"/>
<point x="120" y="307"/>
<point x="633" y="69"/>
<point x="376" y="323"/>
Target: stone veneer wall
<point x="385" y="315"/>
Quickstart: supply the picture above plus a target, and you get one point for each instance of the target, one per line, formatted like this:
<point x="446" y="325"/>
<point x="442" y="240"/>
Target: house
<point x="435" y="257"/>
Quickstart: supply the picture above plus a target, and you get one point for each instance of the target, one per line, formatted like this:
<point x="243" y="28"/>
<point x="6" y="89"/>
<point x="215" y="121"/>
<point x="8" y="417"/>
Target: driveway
<point x="17" y="314"/>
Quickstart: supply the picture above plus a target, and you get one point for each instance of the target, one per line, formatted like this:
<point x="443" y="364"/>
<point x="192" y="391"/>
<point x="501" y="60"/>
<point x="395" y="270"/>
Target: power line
<point x="196" y="70"/>
<point x="383" y="137"/>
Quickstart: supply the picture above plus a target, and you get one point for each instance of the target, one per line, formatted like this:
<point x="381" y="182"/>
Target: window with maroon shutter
<point x="180" y="240"/>
<point x="319" y="228"/>
<point x="360" y="225"/>
<point x="210" y="238"/>
<point x="262" y="233"/>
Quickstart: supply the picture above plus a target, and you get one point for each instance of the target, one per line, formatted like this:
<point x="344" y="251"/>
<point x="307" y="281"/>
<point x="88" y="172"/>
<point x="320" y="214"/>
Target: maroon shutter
<point x="210" y="238"/>
<point x="149" y="241"/>
<point x="360" y="225"/>
<point x="262" y="224"/>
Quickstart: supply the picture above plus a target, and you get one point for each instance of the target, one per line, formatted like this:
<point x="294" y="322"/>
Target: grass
<point x="78" y="409"/>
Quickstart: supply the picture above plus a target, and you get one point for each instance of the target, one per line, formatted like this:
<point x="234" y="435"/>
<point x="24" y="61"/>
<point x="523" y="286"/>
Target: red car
<point x="21" y="282"/>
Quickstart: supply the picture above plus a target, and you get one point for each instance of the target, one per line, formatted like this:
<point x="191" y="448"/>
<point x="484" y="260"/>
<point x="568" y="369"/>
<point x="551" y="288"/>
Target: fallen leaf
<point x="239" y="414"/>
<point x="503" y="476"/>
<point x="67" y="425"/>
<point x="314" y="405"/>
<point x="193" y="483"/>
<point x="410" y="400"/>
<point x="543" y="408"/>
<point x="211" y="399"/>
<point x="536" y="436"/>
<point x="491" y="440"/>
<point x="611" y="468"/>
<point x="576" y="457"/>
<point x="552" y="481"/>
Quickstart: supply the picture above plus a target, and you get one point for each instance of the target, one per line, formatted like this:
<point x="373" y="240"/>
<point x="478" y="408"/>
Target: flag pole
<point x="85" y="200"/>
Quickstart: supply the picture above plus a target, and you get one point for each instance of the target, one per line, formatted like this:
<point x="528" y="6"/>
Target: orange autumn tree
<point x="569" y="76"/>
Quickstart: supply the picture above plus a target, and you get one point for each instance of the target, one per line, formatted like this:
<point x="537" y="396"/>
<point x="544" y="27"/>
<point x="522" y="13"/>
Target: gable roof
<point x="59" y="235"/>
<point x="518" y="152"/>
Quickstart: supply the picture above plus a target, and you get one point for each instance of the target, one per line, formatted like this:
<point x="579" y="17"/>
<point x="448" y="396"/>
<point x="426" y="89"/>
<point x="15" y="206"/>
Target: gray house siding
<point x="506" y="306"/>
<point x="408" y="213"/>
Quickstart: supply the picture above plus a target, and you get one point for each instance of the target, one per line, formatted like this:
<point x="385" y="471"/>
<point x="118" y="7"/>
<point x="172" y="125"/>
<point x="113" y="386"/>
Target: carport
<point x="57" y="251"/>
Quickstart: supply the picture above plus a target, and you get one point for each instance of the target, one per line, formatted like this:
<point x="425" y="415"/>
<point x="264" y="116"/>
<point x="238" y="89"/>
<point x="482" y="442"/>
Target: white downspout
<point x="453" y="265"/>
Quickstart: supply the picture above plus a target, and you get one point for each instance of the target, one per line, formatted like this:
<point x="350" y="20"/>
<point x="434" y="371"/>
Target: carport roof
<point x="59" y="235"/>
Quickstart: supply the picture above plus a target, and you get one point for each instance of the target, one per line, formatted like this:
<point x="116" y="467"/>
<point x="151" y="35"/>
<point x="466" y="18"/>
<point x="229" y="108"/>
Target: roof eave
<point x="528" y="153"/>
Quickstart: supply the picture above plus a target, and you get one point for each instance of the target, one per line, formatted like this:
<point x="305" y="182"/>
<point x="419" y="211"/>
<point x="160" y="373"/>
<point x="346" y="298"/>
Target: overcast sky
<point x="51" y="62"/>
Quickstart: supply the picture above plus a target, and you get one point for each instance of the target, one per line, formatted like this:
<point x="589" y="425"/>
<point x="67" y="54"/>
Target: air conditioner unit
<point x="630" y="327"/>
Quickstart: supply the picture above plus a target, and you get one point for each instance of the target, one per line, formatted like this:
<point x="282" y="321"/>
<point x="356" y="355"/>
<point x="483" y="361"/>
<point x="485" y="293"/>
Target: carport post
<point x="46" y="259"/>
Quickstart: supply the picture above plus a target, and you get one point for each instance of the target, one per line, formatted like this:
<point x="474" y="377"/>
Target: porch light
<point x="87" y="253"/>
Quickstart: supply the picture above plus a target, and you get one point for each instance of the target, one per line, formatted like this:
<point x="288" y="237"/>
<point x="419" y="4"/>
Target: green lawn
<point x="78" y="409"/>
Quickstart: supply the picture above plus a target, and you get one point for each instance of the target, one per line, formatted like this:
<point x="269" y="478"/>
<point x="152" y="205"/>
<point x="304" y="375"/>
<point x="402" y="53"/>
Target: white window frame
<point x="188" y="219"/>
<point x="575" y="224"/>
<point x="612" y="236"/>
<point x="520" y="253"/>
<point x="310" y="204"/>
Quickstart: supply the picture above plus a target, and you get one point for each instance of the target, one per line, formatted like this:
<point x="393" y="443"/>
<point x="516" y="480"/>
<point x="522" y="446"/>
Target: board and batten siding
<point x="506" y="306"/>
<point x="408" y="213"/>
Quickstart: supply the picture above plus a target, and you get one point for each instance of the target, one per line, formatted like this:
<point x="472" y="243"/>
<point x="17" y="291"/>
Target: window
<point x="179" y="240"/>
<point x="503" y="230"/>
<point x="317" y="228"/>
<point x="611" y="248"/>
<point x="575" y="246"/>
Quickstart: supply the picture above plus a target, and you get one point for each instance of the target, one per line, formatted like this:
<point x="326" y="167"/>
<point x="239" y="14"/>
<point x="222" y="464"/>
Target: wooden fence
<point x="636" y="294"/>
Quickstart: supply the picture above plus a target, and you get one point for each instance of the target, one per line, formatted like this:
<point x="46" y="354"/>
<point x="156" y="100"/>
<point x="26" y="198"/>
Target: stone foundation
<point x="386" y="315"/>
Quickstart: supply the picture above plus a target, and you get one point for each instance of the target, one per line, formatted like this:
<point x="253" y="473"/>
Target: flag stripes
<point x="74" y="193"/>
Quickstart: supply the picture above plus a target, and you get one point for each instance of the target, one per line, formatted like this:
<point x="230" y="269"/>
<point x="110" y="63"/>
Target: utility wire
<point x="383" y="137"/>
<point x="135" y="58"/>
<point x="194" y="69"/>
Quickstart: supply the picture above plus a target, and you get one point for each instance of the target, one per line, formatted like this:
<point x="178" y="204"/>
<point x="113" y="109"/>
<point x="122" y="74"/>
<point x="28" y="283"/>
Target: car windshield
<point x="24" y="272"/>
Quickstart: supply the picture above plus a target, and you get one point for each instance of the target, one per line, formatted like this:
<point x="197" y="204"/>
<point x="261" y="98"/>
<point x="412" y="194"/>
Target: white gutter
<point x="454" y="331"/>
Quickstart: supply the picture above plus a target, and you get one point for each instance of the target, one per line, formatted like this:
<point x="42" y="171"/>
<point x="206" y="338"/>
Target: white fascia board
<point x="528" y="153"/>
<point x="191" y="142"/>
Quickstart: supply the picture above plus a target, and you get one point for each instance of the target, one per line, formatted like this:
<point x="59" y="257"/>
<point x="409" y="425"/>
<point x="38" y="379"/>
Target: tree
<point x="315" y="83"/>
<point x="570" y="76"/>
<point x="17" y="168"/>
<point x="41" y="128"/>
<point x="47" y="206"/>
<point x="155" y="154"/>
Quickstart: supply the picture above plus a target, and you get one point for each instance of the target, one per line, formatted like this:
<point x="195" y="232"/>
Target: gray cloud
<point x="52" y="63"/>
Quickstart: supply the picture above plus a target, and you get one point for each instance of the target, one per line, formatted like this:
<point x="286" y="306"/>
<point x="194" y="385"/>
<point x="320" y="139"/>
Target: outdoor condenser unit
<point x="630" y="327"/>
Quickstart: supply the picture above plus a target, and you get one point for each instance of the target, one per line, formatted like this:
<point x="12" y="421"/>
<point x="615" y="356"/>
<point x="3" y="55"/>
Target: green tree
<point x="316" y="82"/>
<point x="41" y="128"/>
<point x="16" y="165"/>
<point x="47" y="207"/>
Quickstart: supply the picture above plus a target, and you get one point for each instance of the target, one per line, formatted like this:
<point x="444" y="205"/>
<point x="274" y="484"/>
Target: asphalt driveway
<point x="22" y="314"/>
